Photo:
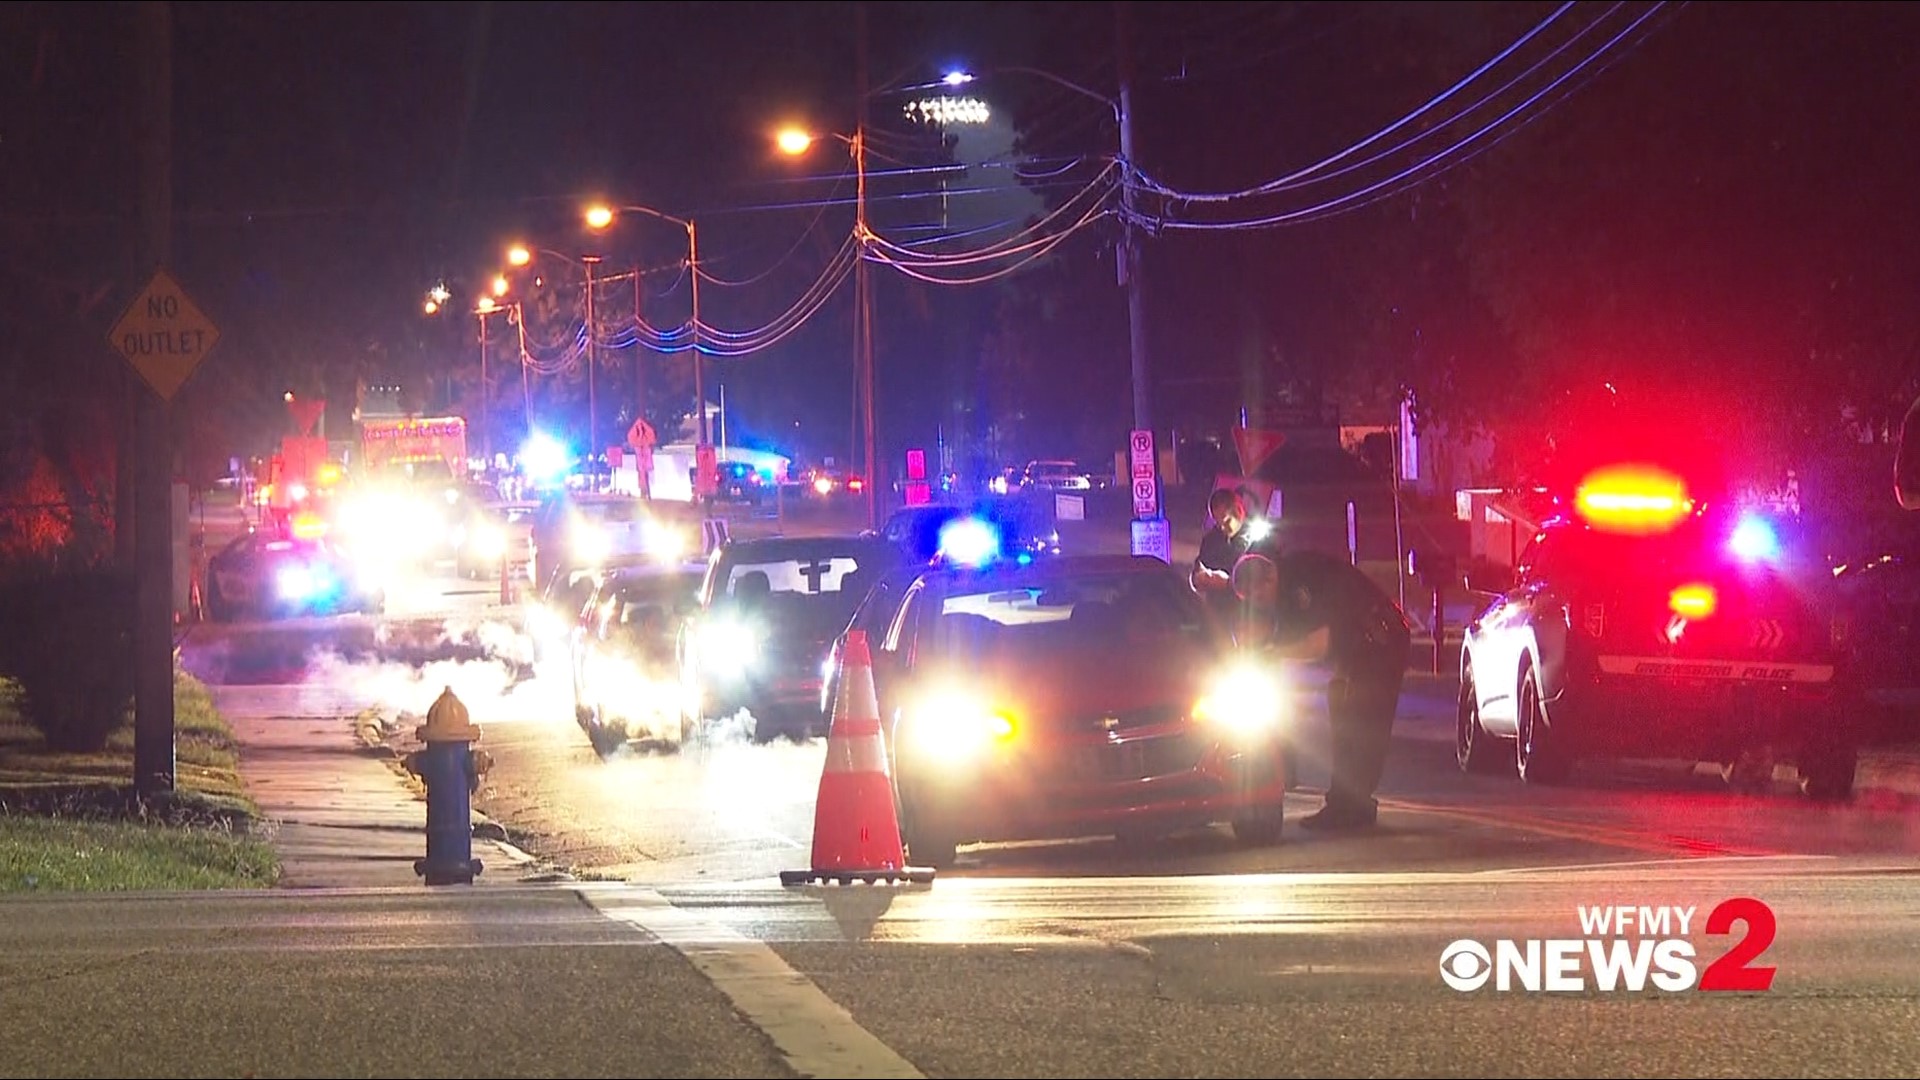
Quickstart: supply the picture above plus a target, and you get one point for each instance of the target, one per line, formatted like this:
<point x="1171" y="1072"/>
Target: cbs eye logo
<point x="1465" y="965"/>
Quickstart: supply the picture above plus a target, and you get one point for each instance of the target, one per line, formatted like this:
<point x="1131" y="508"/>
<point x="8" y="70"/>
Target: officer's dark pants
<point x="1361" y="703"/>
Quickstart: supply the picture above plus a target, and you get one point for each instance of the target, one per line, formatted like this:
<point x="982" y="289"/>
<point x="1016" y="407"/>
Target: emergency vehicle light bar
<point x="1633" y="498"/>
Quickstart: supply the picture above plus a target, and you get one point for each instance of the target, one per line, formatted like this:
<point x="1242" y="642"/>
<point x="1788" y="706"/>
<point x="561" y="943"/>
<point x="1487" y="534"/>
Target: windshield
<point x="432" y="471"/>
<point x="613" y="510"/>
<point x="814" y="594"/>
<point x="1124" y="616"/>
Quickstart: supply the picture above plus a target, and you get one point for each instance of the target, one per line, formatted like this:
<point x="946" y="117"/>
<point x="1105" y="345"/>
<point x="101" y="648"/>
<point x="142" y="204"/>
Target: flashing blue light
<point x="299" y="584"/>
<point x="544" y="457"/>
<point x="957" y="78"/>
<point x="1754" y="540"/>
<point x="969" y="542"/>
<point x="296" y="583"/>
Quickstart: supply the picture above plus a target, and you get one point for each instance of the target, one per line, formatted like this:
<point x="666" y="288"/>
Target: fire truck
<point x="387" y="446"/>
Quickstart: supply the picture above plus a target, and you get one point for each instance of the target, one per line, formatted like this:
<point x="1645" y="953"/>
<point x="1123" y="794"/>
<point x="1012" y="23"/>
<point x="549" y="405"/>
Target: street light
<point x="1130" y="260"/>
<point x="521" y="255"/>
<point x="794" y="142"/>
<point x="483" y="306"/>
<point x="600" y="216"/>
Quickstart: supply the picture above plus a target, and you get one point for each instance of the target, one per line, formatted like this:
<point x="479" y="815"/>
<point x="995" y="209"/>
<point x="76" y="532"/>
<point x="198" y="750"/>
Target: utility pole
<point x="486" y="401"/>
<point x="153" y="751"/>
<point x="863" y="282"/>
<point x="1151" y="535"/>
<point x="1130" y="261"/>
<point x="593" y="361"/>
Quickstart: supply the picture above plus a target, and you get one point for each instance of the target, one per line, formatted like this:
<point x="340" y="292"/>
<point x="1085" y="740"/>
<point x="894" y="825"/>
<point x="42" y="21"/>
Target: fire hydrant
<point x="451" y="769"/>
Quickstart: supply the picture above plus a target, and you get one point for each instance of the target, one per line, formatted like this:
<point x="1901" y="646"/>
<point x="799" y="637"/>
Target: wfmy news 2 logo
<point x="1624" y="948"/>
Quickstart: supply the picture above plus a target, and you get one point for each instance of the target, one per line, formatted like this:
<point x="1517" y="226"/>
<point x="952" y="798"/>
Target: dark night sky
<point x="332" y="161"/>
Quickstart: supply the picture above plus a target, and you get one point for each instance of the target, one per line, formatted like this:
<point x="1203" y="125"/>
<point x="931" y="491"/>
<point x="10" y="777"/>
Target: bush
<point x="68" y="641"/>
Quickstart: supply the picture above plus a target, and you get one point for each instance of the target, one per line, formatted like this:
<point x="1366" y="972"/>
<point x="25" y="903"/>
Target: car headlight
<point x="664" y="542"/>
<point x="488" y="543"/>
<point x="1244" y="699"/>
<point x="591" y="545"/>
<point x="728" y="648"/>
<point x="956" y="727"/>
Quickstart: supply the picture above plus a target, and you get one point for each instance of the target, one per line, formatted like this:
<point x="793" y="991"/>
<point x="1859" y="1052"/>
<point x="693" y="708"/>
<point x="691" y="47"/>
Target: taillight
<point x="1693" y="601"/>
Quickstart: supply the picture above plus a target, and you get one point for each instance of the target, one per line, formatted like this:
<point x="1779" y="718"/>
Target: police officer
<point x="1220" y="548"/>
<point x="1325" y="610"/>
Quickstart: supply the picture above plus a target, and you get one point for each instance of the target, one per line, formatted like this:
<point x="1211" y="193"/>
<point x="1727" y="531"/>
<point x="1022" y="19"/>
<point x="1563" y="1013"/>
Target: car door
<point x="1532" y="599"/>
<point x="584" y="637"/>
<point x="1497" y="638"/>
<point x="894" y="652"/>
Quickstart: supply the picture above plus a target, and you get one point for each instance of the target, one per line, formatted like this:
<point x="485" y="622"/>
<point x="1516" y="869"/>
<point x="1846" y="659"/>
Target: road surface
<point x="674" y="950"/>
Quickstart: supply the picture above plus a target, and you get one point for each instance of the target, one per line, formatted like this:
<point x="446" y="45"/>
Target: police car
<point x="1644" y="624"/>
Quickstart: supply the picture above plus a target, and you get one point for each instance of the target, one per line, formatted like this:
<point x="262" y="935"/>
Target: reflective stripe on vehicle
<point x="1737" y="670"/>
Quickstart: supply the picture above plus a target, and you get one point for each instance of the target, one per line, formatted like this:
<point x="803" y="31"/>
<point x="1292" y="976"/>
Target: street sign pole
<point x="1150" y="532"/>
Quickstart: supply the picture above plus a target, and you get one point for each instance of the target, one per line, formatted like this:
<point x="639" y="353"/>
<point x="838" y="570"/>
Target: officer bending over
<point x="1323" y="609"/>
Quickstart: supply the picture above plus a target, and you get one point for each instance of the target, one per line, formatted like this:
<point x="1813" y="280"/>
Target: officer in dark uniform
<point x="1325" y="610"/>
<point x="1221" y="547"/>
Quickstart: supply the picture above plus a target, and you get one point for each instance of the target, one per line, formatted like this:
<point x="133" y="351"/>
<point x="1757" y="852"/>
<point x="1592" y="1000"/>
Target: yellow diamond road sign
<point x="164" y="335"/>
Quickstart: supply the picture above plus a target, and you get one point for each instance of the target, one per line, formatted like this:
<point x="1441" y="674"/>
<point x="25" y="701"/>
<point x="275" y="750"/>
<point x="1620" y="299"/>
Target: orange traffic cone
<point x="856" y="835"/>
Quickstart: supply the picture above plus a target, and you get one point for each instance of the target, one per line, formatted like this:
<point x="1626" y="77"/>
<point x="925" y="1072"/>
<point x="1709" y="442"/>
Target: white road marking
<point x="816" y="1035"/>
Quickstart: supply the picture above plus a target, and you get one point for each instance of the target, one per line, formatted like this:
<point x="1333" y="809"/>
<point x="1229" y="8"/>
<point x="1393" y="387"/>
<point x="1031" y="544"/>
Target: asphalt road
<point x="465" y="983"/>
<point x="1195" y="956"/>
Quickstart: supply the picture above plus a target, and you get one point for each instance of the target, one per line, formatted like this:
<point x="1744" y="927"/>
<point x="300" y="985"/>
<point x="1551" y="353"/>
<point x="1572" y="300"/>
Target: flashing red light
<point x="1693" y="601"/>
<point x="1633" y="498"/>
<point x="856" y="484"/>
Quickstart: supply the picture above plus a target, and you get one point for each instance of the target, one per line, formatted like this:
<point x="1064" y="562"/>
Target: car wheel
<point x="927" y="843"/>
<point x="606" y="739"/>
<point x="1473" y="744"/>
<point x="1539" y="752"/>
<point x="1751" y="772"/>
<point x="933" y="849"/>
<point x="1260" y="829"/>
<point x="1830" y="777"/>
<point x="218" y="609"/>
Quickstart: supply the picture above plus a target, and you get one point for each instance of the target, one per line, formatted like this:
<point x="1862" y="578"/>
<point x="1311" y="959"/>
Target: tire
<point x="1540" y="754"/>
<point x="218" y="610"/>
<point x="1473" y="745"/>
<point x="606" y="741"/>
<point x="927" y="848"/>
<point x="926" y="842"/>
<point x="1749" y="773"/>
<point x="1262" y="829"/>
<point x="1830" y="777"/>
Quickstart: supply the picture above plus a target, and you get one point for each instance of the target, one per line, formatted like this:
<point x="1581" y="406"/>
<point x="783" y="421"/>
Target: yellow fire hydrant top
<point x="447" y="721"/>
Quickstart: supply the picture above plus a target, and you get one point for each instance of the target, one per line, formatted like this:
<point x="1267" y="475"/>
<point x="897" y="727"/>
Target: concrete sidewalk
<point x="343" y="812"/>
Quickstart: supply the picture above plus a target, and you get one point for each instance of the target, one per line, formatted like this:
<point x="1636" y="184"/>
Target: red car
<point x="1075" y="696"/>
